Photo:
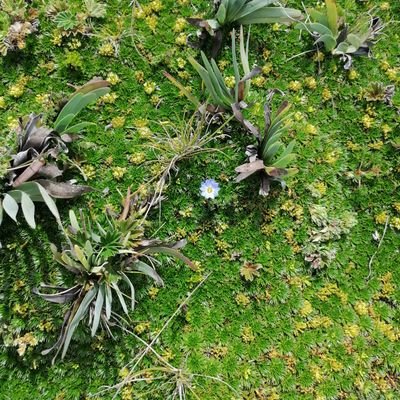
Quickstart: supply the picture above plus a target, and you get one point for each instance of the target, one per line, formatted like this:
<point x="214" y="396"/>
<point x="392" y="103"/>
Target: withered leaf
<point x="250" y="271"/>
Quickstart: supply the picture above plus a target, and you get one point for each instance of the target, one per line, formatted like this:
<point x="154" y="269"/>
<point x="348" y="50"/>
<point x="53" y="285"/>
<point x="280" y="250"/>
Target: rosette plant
<point x="222" y="98"/>
<point x="331" y="32"/>
<point x="230" y="13"/>
<point x="34" y="173"/>
<point x="17" y="22"/>
<point x="270" y="158"/>
<point x="105" y="257"/>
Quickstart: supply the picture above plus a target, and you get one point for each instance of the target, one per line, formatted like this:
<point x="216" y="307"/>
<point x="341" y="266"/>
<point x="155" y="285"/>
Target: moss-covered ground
<point x="293" y="332"/>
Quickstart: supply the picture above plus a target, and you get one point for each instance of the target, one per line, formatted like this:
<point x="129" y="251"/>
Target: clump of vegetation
<point x="331" y="31"/>
<point x="243" y="12"/>
<point x="33" y="173"/>
<point x="73" y="20"/>
<point x="17" y="22"/>
<point x="223" y="98"/>
<point x="179" y="142"/>
<point x="104" y="256"/>
<point x="321" y="251"/>
<point x="269" y="158"/>
<point x="377" y="91"/>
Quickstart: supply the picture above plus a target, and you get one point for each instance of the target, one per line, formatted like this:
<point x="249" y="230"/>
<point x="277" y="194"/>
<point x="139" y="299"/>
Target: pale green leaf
<point x="28" y="209"/>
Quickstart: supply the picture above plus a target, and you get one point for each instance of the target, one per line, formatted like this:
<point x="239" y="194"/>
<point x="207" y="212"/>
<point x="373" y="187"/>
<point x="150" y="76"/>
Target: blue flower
<point x="209" y="189"/>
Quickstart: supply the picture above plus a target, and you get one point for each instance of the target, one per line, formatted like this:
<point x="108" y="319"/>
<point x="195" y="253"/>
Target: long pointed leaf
<point x="128" y="281"/>
<point x="145" y="269"/>
<point x="215" y="82"/>
<point x="182" y="88"/>
<point x="98" y="308"/>
<point x="51" y="205"/>
<point x="207" y="81"/>
<point x="61" y="297"/>
<point x="235" y="66"/>
<point x="120" y="297"/>
<point x="79" y="315"/>
<point x="1" y="213"/>
<point x="172" y="252"/>
<point x="108" y="295"/>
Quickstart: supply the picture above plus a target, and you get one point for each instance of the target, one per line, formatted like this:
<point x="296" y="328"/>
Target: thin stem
<point x="377" y="250"/>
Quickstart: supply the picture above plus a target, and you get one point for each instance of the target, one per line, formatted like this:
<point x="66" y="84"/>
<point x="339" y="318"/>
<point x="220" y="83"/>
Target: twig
<point x="376" y="252"/>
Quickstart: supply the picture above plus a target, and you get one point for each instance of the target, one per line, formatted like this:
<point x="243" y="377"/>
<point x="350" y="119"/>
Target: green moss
<point x="294" y="355"/>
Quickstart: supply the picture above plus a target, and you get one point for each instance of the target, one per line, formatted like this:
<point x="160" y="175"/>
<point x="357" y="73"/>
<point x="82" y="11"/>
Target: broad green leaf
<point x="32" y="190"/>
<point x="66" y="20"/>
<point x="81" y="257"/>
<point x="318" y="16"/>
<point x="28" y="209"/>
<point x="78" y="127"/>
<point x="253" y="6"/>
<point x="292" y="171"/>
<point x="272" y="15"/>
<point x="289" y="149"/>
<point x="1" y="211"/>
<point x="332" y="16"/>
<point x="77" y="103"/>
<point x="354" y="40"/>
<point x="67" y="261"/>
<point x="278" y="123"/>
<point x="69" y="264"/>
<point x="266" y="144"/>
<point x="79" y="315"/>
<point x="344" y="48"/>
<point x="235" y="9"/>
<point x="283" y="162"/>
<point x="88" y="249"/>
<point x="280" y="172"/>
<point x="63" y="124"/>
<point x="270" y="152"/>
<point x="91" y="86"/>
<point x="10" y="206"/>
<point x="74" y="221"/>
<point x="362" y="30"/>
<point x="220" y="16"/>
<point x="95" y="9"/>
<point x="328" y="40"/>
